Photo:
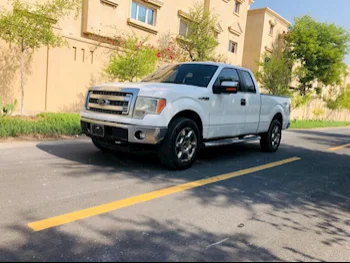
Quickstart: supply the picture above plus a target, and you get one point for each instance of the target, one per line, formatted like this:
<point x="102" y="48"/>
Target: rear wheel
<point x="181" y="144"/>
<point x="271" y="140"/>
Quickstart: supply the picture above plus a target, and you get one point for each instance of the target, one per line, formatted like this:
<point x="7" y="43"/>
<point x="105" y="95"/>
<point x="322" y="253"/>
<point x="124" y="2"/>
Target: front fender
<point x="184" y="104"/>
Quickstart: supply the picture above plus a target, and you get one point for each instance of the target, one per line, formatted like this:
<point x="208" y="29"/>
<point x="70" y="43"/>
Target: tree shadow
<point x="307" y="199"/>
<point x="9" y="70"/>
<point x="79" y="103"/>
<point x="141" y="240"/>
<point x="325" y="138"/>
<point x="10" y="59"/>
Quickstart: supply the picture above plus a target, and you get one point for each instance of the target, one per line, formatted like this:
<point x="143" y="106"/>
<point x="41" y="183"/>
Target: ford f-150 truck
<point x="183" y="107"/>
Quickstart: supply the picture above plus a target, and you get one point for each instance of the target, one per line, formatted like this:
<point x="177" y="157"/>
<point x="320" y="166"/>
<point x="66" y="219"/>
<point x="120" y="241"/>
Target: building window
<point x="272" y="27"/>
<point x="183" y="28"/>
<point x="83" y="54"/>
<point x="143" y="14"/>
<point x="75" y="53"/>
<point x="237" y="7"/>
<point x="233" y="47"/>
<point x="92" y="57"/>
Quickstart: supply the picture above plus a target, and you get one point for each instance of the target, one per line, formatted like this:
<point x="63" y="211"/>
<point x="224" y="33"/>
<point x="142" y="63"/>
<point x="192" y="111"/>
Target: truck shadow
<point x="310" y="197"/>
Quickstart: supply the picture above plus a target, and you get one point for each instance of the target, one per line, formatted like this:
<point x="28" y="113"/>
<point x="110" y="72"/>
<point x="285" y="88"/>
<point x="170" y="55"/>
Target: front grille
<point x="111" y="93"/>
<point x="110" y="102"/>
<point x="106" y="111"/>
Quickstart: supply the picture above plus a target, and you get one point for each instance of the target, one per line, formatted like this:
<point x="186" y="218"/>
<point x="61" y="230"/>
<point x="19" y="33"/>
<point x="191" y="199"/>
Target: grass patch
<point x="52" y="125"/>
<point x="311" y="124"/>
<point x="45" y="124"/>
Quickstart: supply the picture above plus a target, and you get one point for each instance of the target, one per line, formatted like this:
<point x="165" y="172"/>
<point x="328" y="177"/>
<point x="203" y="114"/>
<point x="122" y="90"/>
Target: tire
<point x="271" y="140"/>
<point x="100" y="147"/>
<point x="180" y="145"/>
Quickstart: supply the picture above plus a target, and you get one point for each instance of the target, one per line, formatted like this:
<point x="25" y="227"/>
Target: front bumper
<point x="125" y="133"/>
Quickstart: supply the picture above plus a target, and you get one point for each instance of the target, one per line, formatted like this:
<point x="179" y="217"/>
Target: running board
<point x="223" y="142"/>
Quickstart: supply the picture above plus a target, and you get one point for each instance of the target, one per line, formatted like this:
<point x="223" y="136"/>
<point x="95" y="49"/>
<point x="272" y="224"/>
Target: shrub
<point x="46" y="124"/>
<point x="318" y="113"/>
<point x="7" y="109"/>
<point x="136" y="60"/>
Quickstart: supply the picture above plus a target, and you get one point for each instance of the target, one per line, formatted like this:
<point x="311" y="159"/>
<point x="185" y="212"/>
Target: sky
<point x="335" y="11"/>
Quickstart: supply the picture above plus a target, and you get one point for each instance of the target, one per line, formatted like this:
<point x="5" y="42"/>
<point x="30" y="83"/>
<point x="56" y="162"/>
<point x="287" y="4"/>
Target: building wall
<point x="233" y="27"/>
<point x="253" y="41"/>
<point x="103" y="19"/>
<point x="280" y="27"/>
<point x="57" y="79"/>
<point x="258" y="39"/>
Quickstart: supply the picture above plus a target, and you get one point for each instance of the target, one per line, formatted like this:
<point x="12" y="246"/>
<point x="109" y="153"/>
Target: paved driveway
<point x="66" y="201"/>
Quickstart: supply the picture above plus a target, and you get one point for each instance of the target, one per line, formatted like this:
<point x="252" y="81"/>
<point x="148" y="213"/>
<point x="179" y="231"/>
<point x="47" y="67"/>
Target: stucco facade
<point x="232" y="26"/>
<point x="264" y="30"/>
<point x="57" y="79"/>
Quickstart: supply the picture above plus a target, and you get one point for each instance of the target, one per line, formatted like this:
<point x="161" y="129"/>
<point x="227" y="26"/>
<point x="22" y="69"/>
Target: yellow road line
<point x="101" y="209"/>
<point x="339" y="147"/>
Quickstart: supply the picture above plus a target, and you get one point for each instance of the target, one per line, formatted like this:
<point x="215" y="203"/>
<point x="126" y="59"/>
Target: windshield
<point x="187" y="74"/>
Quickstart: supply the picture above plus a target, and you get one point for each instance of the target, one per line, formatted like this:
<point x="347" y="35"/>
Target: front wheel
<point x="180" y="146"/>
<point x="271" y="140"/>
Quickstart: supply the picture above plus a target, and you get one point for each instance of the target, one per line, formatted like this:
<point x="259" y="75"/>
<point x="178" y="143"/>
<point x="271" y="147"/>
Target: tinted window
<point x="187" y="74"/>
<point x="134" y="10"/>
<point x="249" y="83"/>
<point x="183" y="28"/>
<point x="142" y="13"/>
<point x="228" y="74"/>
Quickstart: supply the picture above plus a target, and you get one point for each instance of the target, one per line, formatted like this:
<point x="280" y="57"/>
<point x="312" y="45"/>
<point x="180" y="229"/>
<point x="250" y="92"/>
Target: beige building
<point x="57" y="79"/>
<point x="232" y="27"/>
<point x="264" y="31"/>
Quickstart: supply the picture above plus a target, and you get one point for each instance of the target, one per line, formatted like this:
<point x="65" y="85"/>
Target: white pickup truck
<point x="181" y="108"/>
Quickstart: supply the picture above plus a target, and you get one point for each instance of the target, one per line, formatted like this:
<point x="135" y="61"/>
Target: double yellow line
<point x="101" y="209"/>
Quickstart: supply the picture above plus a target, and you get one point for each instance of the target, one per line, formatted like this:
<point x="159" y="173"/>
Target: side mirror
<point x="226" y="87"/>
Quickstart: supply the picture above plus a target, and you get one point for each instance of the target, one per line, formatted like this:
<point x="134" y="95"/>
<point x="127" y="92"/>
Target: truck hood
<point x="150" y="89"/>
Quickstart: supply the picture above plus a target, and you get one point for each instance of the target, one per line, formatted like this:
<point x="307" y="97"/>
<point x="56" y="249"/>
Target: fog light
<point x="140" y="135"/>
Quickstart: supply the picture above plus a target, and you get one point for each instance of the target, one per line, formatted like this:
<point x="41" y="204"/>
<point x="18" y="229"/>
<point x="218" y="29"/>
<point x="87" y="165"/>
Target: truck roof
<point x="216" y="64"/>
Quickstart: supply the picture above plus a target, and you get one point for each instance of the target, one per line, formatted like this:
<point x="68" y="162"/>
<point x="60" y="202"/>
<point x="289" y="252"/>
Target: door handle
<point x="243" y="102"/>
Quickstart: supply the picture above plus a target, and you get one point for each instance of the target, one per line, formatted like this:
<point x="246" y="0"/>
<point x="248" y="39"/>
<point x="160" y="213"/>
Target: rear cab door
<point x="252" y="101"/>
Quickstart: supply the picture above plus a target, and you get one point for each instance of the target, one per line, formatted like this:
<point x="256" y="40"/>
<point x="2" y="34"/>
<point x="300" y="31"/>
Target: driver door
<point x="228" y="117"/>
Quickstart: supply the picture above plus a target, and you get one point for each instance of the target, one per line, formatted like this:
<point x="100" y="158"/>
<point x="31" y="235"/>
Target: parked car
<point x="182" y="107"/>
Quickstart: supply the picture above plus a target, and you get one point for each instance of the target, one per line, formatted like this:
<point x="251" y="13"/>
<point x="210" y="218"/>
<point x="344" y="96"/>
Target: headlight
<point x="146" y="106"/>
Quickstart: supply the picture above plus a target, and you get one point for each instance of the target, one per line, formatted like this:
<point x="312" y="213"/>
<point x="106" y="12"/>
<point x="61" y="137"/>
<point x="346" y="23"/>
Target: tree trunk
<point x="22" y="80"/>
<point x="329" y="115"/>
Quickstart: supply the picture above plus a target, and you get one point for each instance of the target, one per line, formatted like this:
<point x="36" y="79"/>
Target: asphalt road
<point x="294" y="211"/>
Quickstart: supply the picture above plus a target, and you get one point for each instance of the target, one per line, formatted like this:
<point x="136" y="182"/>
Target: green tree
<point x="299" y="100"/>
<point x="275" y="72"/>
<point x="29" y="26"/>
<point x="133" y="61"/>
<point x="320" y="49"/>
<point x="338" y="101"/>
<point x="200" y="41"/>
